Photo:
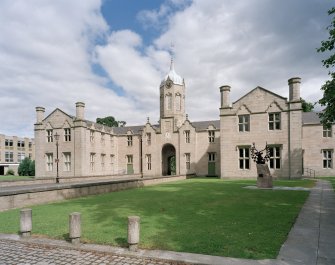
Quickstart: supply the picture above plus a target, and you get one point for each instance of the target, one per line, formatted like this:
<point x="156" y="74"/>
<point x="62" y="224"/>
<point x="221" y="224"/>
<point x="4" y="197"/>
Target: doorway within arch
<point x="168" y="160"/>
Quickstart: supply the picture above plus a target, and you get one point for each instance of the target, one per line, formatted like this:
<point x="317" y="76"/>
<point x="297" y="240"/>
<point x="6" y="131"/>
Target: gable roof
<point x="261" y="88"/>
<point x="57" y="109"/>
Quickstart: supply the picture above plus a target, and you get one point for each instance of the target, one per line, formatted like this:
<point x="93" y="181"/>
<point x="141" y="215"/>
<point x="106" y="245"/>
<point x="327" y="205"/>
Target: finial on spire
<point x="172" y="54"/>
<point x="186" y="116"/>
<point x="148" y="121"/>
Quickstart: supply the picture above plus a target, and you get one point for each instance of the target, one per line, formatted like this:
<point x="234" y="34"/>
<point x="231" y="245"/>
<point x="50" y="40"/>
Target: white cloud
<point x="48" y="48"/>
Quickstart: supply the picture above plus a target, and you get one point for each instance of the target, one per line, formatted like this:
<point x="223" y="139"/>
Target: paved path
<point x="311" y="241"/>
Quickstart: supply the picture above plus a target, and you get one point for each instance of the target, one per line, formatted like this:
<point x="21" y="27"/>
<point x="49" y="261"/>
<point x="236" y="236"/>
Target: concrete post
<point x="133" y="232"/>
<point x="74" y="227"/>
<point x="26" y="223"/>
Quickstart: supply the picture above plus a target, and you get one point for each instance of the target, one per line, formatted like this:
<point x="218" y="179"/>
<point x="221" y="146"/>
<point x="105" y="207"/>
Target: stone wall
<point x="46" y="194"/>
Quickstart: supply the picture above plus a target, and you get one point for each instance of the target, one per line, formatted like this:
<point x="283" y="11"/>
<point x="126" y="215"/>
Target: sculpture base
<point x="264" y="178"/>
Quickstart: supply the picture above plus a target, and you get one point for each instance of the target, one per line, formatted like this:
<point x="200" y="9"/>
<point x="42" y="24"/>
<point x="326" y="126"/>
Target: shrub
<point x="27" y="167"/>
<point x="10" y="172"/>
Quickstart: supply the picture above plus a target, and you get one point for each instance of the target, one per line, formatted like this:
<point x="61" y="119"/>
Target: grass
<point x="10" y="177"/>
<point x="208" y="216"/>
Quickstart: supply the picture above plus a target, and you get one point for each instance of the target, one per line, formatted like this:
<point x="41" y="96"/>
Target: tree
<point x="327" y="116"/>
<point x="110" y="121"/>
<point x="26" y="167"/>
<point x="306" y="106"/>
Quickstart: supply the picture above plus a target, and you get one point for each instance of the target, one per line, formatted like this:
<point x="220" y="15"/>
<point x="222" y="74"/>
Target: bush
<point x="10" y="172"/>
<point x="27" y="167"/>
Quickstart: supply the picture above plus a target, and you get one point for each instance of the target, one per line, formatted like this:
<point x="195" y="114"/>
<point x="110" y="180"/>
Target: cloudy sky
<point x="112" y="54"/>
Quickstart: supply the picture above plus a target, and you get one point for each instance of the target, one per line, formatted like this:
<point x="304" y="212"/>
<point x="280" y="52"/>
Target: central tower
<point x="172" y="98"/>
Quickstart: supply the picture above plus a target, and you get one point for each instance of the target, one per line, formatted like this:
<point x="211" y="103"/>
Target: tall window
<point x="92" y="161"/>
<point x="327" y="131"/>
<point x="178" y="102"/>
<point x="244" y="158"/>
<point x="327" y="158"/>
<point x="91" y="136"/>
<point x="188" y="160"/>
<point x="20" y="157"/>
<point x="49" y="161"/>
<point x="187" y="137"/>
<point x="9" y="157"/>
<point x="211" y="157"/>
<point x="274" y="157"/>
<point x="211" y="136"/>
<point x="148" y="138"/>
<point x="274" y="121"/>
<point x="168" y="102"/>
<point x="30" y="145"/>
<point x="129" y="140"/>
<point x="67" y="161"/>
<point x="129" y="159"/>
<point x="49" y="136"/>
<point x="102" y="138"/>
<point x="148" y="161"/>
<point x="103" y="161"/>
<point x="244" y="123"/>
<point x="67" y="135"/>
<point x="9" y="143"/>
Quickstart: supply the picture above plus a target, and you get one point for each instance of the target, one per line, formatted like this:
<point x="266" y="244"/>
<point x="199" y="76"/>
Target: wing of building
<point x="178" y="146"/>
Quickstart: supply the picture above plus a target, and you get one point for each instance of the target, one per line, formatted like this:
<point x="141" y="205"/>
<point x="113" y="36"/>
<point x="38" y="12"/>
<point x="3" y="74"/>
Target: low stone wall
<point x="24" y="196"/>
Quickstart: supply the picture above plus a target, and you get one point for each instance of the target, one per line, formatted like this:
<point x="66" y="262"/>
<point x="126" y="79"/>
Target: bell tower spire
<point x="172" y="96"/>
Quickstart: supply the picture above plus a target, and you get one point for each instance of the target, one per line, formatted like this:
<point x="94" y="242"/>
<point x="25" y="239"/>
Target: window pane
<point x="240" y="127"/>
<point x="241" y="164"/>
<point x="271" y="126"/>
<point x="247" y="164"/>
<point x="241" y="152"/>
<point x="277" y="163"/>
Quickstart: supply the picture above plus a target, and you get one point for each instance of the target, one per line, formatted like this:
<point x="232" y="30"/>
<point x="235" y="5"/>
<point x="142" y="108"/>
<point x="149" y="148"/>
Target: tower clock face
<point x="168" y="84"/>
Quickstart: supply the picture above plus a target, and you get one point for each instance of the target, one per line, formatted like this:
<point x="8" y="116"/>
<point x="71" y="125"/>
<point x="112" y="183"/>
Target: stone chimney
<point x="80" y="110"/>
<point x="294" y="87"/>
<point x="39" y="114"/>
<point x="225" y="96"/>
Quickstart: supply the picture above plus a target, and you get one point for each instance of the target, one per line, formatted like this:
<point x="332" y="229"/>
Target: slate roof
<point x="203" y="125"/>
<point x="124" y="130"/>
<point x="310" y="118"/>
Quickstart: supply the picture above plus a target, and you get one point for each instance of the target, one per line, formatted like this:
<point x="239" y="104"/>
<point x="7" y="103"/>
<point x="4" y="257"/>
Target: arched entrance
<point x="168" y="160"/>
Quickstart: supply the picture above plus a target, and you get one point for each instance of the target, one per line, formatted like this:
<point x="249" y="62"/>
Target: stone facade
<point x="178" y="146"/>
<point x="13" y="150"/>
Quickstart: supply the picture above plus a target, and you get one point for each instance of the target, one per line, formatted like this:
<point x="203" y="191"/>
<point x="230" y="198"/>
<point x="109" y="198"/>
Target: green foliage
<point x="26" y="167"/>
<point x="10" y="172"/>
<point x="208" y="216"/>
<point x="328" y="100"/>
<point x="110" y="121"/>
<point x="306" y="106"/>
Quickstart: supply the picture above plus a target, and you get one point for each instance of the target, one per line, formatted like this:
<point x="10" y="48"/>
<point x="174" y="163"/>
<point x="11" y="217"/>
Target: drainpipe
<point x="141" y="156"/>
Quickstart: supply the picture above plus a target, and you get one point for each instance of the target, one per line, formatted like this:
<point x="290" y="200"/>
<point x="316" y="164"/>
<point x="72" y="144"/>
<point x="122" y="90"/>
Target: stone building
<point x="13" y="150"/>
<point x="178" y="146"/>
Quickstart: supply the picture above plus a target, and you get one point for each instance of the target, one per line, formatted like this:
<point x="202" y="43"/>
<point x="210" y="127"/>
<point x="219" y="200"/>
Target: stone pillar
<point x="80" y="110"/>
<point x="294" y="87"/>
<point x="225" y="96"/>
<point x="264" y="178"/>
<point x="133" y="232"/>
<point x="39" y="114"/>
<point x="74" y="227"/>
<point x="26" y="222"/>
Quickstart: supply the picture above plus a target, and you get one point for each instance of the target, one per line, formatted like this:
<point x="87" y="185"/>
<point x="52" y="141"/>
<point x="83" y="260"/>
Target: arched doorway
<point x="168" y="160"/>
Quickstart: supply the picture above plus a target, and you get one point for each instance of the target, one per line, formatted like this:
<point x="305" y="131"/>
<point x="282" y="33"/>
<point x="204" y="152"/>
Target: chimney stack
<point x="80" y="110"/>
<point x="225" y="96"/>
<point x="294" y="87"/>
<point x="39" y="114"/>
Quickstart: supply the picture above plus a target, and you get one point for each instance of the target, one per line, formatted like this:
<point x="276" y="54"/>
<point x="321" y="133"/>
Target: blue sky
<point x="113" y="54"/>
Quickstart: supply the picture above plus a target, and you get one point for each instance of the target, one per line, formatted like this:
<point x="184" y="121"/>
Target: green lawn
<point x="209" y="216"/>
<point x="9" y="177"/>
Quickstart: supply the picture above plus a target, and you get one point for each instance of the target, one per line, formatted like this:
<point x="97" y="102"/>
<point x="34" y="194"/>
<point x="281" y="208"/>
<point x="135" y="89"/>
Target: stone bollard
<point x="74" y="228"/>
<point x="133" y="232"/>
<point x="26" y="222"/>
